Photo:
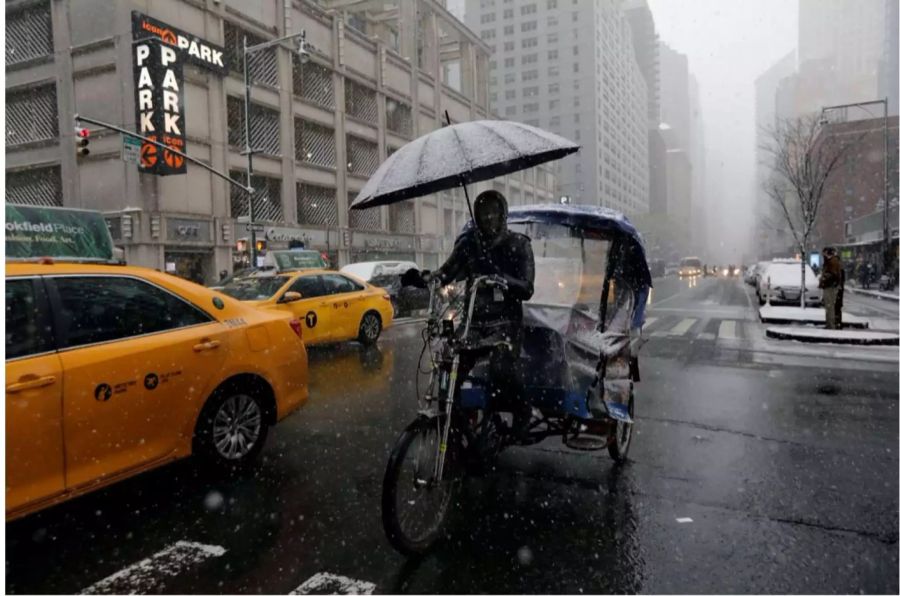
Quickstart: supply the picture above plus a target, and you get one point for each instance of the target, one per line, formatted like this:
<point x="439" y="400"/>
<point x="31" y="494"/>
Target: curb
<point x="408" y="321"/>
<point x="770" y="321"/>
<point x="871" y="294"/>
<point x="855" y="341"/>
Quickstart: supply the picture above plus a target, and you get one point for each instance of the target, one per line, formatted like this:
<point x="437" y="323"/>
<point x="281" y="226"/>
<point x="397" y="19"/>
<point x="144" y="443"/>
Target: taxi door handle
<point x="210" y="344"/>
<point x="30" y="382"/>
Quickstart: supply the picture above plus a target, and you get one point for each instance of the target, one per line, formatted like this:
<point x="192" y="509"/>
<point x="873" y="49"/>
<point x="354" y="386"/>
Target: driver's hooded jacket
<point x="507" y="254"/>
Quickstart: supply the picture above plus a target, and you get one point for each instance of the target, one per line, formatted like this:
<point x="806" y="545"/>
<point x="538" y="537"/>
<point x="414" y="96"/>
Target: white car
<point x="779" y="282"/>
<point x="366" y="270"/>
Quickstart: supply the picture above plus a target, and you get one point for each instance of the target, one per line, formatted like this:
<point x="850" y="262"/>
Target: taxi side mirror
<point x="291" y="297"/>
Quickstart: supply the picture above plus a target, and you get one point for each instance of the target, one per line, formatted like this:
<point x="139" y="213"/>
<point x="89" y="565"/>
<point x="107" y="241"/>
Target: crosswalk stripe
<point x="728" y="330"/>
<point x="649" y="321"/>
<point x="149" y="575"/>
<point x="682" y="327"/>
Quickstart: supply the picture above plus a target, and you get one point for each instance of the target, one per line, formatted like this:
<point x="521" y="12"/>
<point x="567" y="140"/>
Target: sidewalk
<point x="834" y="336"/>
<point x="808" y="316"/>
<point x="874" y="293"/>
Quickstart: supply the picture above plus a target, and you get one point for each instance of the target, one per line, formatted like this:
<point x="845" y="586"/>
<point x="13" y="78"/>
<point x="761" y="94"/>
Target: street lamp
<point x="886" y="238"/>
<point x="302" y="48"/>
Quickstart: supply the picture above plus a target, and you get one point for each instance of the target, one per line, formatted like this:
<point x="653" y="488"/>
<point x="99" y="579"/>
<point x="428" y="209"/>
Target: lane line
<point x="728" y="330"/>
<point x="329" y="583"/>
<point x="149" y="575"/>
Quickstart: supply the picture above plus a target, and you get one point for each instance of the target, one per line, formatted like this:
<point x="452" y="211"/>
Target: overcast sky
<point x="728" y="44"/>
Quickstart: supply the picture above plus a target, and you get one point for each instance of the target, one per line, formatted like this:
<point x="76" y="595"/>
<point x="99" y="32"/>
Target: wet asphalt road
<point x="785" y="460"/>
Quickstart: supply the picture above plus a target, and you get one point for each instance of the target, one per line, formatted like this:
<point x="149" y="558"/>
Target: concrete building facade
<point x="569" y="67"/>
<point x="377" y="78"/>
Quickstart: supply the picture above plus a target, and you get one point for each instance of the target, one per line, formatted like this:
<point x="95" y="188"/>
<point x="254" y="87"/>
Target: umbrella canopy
<point x="460" y="154"/>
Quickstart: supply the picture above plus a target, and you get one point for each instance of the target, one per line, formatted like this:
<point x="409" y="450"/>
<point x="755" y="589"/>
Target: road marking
<point x="684" y="520"/>
<point x="682" y="327"/>
<point x="728" y="330"/>
<point x="649" y="321"/>
<point x="329" y="583"/>
<point x="149" y="575"/>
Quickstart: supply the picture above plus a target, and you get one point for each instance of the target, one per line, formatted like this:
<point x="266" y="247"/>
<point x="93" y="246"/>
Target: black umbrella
<point x="460" y="154"/>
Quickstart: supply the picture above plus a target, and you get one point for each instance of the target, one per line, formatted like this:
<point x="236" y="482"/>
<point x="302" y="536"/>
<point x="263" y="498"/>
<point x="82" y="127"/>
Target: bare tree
<point x="802" y="162"/>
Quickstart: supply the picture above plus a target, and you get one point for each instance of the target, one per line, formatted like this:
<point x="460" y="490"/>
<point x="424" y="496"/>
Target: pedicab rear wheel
<point x="414" y="504"/>
<point x="620" y="441"/>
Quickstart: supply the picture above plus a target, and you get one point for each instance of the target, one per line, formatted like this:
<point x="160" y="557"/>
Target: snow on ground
<point x="805" y="315"/>
<point x="838" y="336"/>
<point x="875" y="293"/>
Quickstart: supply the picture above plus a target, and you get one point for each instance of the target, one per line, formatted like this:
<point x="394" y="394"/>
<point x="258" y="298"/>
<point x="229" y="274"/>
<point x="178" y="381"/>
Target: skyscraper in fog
<point x="569" y="66"/>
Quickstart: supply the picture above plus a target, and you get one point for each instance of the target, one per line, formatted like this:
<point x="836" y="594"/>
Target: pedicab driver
<point x="497" y="319"/>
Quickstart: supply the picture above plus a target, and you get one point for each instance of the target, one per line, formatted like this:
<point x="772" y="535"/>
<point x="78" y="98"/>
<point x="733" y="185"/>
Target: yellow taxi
<point x="333" y="306"/>
<point x="112" y="370"/>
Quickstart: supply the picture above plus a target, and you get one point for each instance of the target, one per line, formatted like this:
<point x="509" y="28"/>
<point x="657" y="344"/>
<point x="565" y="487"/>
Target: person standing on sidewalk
<point x="830" y="282"/>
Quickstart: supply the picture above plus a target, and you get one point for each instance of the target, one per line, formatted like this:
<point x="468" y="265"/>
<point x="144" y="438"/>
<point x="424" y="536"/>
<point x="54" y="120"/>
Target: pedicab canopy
<point x="60" y="234"/>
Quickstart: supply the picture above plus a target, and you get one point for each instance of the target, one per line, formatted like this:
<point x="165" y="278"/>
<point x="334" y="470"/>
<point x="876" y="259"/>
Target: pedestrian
<point x="830" y="281"/>
<point x="839" y="302"/>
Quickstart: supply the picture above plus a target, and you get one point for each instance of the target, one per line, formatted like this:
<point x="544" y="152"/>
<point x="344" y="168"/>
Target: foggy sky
<point x="728" y="44"/>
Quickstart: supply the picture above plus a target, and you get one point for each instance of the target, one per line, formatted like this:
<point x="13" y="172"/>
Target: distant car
<point x="333" y="306"/>
<point x="779" y="283"/>
<point x="750" y="275"/>
<point x="366" y="270"/>
<point x="278" y="261"/>
<point x="657" y="268"/>
<point x="690" y="267"/>
<point x="406" y="300"/>
<point x="671" y="269"/>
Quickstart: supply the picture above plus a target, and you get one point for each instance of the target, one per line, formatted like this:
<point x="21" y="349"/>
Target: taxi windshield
<point x="255" y="288"/>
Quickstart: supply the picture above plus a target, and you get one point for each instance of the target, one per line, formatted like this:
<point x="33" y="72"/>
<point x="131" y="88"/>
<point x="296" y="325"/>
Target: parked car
<point x="406" y="300"/>
<point x="780" y="282"/>
<point x="114" y="370"/>
<point x="690" y="267"/>
<point x="333" y="306"/>
<point x="750" y="275"/>
<point x="671" y="269"/>
<point x="366" y="270"/>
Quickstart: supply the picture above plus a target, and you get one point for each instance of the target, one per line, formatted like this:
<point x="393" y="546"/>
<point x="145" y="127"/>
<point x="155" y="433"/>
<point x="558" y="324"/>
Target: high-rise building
<point x="774" y="101"/>
<point x="889" y="67"/>
<point x="675" y="117"/>
<point x="569" y="66"/>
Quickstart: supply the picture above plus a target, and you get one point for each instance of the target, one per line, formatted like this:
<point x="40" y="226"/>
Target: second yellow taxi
<point x="333" y="306"/>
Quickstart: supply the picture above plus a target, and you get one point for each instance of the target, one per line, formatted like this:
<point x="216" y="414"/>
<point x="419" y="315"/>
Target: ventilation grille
<point x="39" y="186"/>
<point x="316" y="205"/>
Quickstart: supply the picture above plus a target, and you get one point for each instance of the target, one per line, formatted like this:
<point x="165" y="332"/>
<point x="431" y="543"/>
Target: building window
<point x="510" y="94"/>
<point x="403" y="217"/>
<point x="362" y="156"/>
<point x="553" y="71"/>
<point x="29" y="33"/>
<point x="509" y="46"/>
<point x="488" y="18"/>
<point x="529" y="108"/>
<point x="314" y="144"/>
<point x="574" y="67"/>
<point x="554" y="122"/>
<point x="531" y="42"/>
<point x="552" y="21"/>
<point x="554" y="104"/>
<point x="488" y="34"/>
<point x="529" y="9"/>
<point x="265" y="127"/>
<point x="509" y="30"/>
<point x="399" y="117"/>
<point x="317" y="205"/>
<point x="313" y="83"/>
<point x="360" y="102"/>
<point x="529" y="26"/>
<point x="262" y="66"/>
<point x="574" y="50"/>
<point x="530" y="92"/>
<point x="553" y="88"/>
<point x="553" y="38"/>
<point x="529" y="75"/>
<point x="35" y="186"/>
<point x="31" y="115"/>
<point x="266" y="198"/>
<point x="509" y="62"/>
<point x="551" y="4"/>
<point x="509" y="78"/>
<point x="508" y="13"/>
<point x="364" y="219"/>
<point x="510" y="110"/>
<point x="553" y="55"/>
<point x="529" y="59"/>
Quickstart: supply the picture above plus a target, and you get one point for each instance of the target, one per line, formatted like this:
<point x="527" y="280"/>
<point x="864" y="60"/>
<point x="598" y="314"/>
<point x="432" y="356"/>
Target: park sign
<point x="159" y="106"/>
<point x="61" y="234"/>
<point x="195" y="50"/>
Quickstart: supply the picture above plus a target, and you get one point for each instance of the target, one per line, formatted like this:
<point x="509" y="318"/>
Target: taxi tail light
<point x="386" y="297"/>
<point x="297" y="326"/>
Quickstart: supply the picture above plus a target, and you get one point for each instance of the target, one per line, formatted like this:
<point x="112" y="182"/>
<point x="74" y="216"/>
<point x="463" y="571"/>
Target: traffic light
<point x="260" y="245"/>
<point x="82" y="141"/>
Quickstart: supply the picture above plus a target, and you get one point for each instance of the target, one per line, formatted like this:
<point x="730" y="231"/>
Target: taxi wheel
<point x="369" y="328"/>
<point x="232" y="428"/>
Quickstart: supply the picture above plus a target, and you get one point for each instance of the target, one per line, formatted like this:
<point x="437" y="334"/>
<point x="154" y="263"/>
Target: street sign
<point x="131" y="149"/>
<point x="255" y="227"/>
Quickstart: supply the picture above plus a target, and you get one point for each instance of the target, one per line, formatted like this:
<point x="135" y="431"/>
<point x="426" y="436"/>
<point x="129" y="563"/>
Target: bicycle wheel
<point x="414" y="504"/>
<point x="621" y="440"/>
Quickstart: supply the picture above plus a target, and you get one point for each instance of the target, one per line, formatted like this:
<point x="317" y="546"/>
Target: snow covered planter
<point x="808" y="316"/>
